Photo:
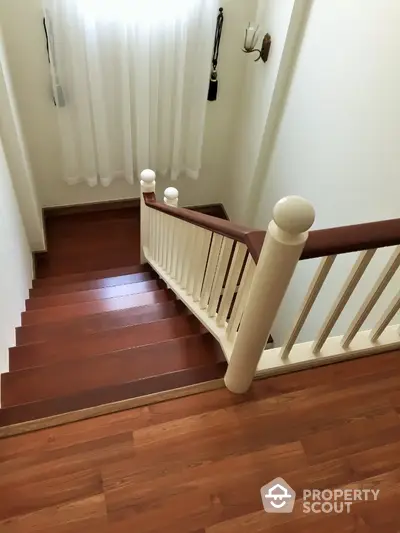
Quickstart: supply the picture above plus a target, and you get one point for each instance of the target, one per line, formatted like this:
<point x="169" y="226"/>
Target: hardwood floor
<point x="196" y="465"/>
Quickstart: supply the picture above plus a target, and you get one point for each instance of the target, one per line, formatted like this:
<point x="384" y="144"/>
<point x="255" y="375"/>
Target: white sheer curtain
<point x="130" y="78"/>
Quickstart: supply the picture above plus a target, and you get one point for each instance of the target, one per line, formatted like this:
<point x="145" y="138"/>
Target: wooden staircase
<point x="94" y="342"/>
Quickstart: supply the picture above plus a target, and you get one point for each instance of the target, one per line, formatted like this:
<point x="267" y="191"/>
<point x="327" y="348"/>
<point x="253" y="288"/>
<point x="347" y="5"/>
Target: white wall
<point x="338" y="141"/>
<point x="259" y="86"/>
<point x="23" y="33"/>
<point x="15" y="148"/>
<point x="15" y="263"/>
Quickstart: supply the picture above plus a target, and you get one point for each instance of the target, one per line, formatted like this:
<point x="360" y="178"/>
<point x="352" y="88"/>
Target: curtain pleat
<point x="134" y="80"/>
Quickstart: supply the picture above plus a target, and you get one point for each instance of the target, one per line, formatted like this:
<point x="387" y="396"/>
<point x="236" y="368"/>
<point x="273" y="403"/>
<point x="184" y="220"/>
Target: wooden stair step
<point x="92" y="284"/>
<point x="67" y="312"/>
<point x="72" y="377"/>
<point x="102" y="396"/>
<point x="56" y="300"/>
<point x="93" y="274"/>
<point x="86" y="325"/>
<point x="102" y="342"/>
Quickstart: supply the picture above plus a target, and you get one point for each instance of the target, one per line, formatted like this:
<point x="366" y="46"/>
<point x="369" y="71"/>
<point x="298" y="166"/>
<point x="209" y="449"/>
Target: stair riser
<point x="69" y="312"/>
<point x="91" y="284"/>
<point x="120" y="367"/>
<point x="93" y="295"/>
<point x="74" y="329"/>
<point x="102" y="343"/>
<point x="84" y="276"/>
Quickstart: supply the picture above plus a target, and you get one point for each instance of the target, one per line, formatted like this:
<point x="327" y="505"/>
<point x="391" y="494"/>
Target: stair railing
<point x="234" y="279"/>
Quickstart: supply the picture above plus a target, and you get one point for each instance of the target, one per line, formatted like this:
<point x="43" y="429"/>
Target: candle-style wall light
<point x="250" y="42"/>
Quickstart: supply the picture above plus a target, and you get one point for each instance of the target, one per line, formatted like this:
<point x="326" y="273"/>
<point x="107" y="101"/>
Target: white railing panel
<point x="372" y="298"/>
<point x="302" y="356"/>
<point x="315" y="287"/>
<point x="359" y="267"/>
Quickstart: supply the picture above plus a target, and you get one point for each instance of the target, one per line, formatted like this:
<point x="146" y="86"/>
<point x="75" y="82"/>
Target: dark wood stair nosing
<point x="111" y="394"/>
<point x="91" y="275"/>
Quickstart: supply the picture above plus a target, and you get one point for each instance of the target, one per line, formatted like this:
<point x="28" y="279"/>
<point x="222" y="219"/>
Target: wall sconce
<point x="250" y="41"/>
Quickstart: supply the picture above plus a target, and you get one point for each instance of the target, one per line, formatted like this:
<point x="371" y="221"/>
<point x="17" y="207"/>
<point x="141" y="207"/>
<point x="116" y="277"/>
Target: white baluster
<point x="190" y="250"/>
<point x="241" y="298"/>
<point x="387" y="316"/>
<point x="158" y="237"/>
<point x="231" y="283"/>
<point x="359" y="267"/>
<point x="314" y="289"/>
<point x="220" y="274"/>
<point x="147" y="184"/>
<point x="183" y="247"/>
<point x="194" y="258"/>
<point x="380" y="285"/>
<point x="284" y="242"/>
<point x="204" y="249"/>
<point x="178" y="248"/>
<point x="210" y="269"/>
<point x="171" y="196"/>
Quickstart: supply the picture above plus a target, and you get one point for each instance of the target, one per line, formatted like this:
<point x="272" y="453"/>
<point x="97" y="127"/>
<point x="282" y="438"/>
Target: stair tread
<point x="75" y="376"/>
<point x="56" y="300"/>
<point x="75" y="328"/>
<point x="92" y="284"/>
<point x="110" y="394"/>
<point x="102" y="342"/>
<point x="90" y="275"/>
<point x="66" y="312"/>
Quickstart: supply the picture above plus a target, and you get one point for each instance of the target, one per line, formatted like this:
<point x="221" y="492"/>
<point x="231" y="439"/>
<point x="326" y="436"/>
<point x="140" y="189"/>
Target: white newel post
<point x="283" y="244"/>
<point x="171" y="196"/>
<point x="147" y="184"/>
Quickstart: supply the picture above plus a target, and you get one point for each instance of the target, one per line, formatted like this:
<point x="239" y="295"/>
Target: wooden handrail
<point x="355" y="238"/>
<point x="320" y="243"/>
<point x="251" y="238"/>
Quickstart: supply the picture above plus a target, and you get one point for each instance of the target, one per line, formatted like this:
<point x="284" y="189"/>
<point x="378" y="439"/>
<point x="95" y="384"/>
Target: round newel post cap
<point x="171" y="193"/>
<point x="171" y="196"/>
<point x="294" y="214"/>
<point x="148" y="176"/>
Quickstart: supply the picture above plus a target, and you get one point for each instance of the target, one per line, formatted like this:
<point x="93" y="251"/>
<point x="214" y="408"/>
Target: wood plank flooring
<point x="196" y="465"/>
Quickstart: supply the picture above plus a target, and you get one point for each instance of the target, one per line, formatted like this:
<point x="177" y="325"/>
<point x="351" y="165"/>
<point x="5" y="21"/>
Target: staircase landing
<point x="101" y="332"/>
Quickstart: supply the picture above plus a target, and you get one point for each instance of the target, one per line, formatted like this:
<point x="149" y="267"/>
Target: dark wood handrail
<point x="320" y="243"/>
<point x="249" y="237"/>
<point x="355" y="238"/>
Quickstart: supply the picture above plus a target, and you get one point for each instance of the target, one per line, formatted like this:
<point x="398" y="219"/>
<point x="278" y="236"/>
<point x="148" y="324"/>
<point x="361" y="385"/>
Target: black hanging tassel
<point x="213" y="87"/>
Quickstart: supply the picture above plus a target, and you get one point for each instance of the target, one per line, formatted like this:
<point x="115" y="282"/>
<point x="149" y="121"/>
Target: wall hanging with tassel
<point x="213" y="87"/>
